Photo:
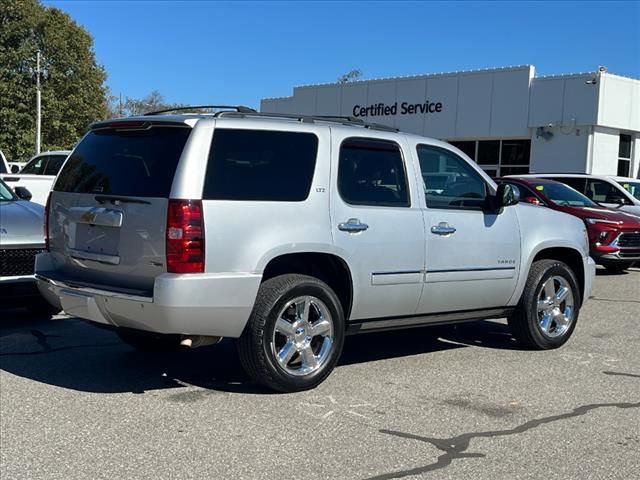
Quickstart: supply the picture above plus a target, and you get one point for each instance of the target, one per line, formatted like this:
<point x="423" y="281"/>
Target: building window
<point x="498" y="157"/>
<point x="624" y="155"/>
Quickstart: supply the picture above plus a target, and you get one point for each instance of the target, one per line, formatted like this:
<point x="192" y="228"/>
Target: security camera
<point x="602" y="68"/>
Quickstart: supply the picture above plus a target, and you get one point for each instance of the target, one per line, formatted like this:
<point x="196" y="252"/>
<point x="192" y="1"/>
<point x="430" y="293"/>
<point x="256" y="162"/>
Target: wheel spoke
<point x="321" y="327"/>
<point x="302" y="309"/>
<point x="546" y="322"/>
<point x="549" y="289"/>
<point x="309" y="359"/>
<point x="285" y="353"/>
<point x="543" y="306"/>
<point x="561" y="295"/>
<point x="285" y="327"/>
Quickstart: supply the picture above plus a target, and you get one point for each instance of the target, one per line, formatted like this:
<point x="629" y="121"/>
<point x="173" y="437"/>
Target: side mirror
<point x="507" y="195"/>
<point x="23" y="193"/>
<point x="15" y="168"/>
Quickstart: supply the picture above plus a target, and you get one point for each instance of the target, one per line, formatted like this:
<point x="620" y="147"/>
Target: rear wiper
<point x="116" y="200"/>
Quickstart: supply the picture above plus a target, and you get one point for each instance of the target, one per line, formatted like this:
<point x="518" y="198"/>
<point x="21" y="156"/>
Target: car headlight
<point x="594" y="221"/>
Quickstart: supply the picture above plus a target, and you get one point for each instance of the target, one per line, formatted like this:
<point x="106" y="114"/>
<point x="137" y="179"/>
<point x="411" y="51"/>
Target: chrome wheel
<point x="303" y="336"/>
<point x="555" y="307"/>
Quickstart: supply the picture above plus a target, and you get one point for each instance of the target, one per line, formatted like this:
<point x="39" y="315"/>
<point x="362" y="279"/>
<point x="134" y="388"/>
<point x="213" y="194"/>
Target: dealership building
<point x="508" y="120"/>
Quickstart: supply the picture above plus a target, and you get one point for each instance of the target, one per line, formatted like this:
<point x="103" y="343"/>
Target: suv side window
<point x="262" y="165"/>
<point x="578" y="183"/>
<point x="371" y="172"/>
<point x="36" y="166"/>
<point x="600" y="191"/>
<point x="449" y="181"/>
<point x="54" y="164"/>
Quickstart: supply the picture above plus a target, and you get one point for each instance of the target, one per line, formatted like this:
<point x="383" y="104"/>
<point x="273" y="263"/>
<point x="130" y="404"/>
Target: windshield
<point x="633" y="188"/>
<point x="6" y="195"/>
<point x="561" y="194"/>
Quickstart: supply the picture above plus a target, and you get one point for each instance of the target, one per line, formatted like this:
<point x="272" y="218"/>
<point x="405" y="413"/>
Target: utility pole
<point x="38" y="102"/>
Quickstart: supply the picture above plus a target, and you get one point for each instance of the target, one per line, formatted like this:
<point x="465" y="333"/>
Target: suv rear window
<point x="136" y="163"/>
<point x="262" y="165"/>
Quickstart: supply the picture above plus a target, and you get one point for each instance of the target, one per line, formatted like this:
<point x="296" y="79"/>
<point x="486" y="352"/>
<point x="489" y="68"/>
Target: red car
<point x="614" y="237"/>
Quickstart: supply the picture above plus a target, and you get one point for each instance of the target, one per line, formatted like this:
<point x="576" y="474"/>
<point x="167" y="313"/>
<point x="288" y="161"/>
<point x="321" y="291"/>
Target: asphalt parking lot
<point x="440" y="402"/>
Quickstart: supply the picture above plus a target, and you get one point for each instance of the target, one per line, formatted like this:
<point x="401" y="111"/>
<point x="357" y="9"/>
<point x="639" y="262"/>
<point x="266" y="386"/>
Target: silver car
<point x="21" y="239"/>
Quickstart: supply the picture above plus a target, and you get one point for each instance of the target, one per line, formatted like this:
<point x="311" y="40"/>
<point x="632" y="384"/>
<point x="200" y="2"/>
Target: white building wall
<point x="566" y="151"/>
<point x="604" y="151"/>
<point x="619" y="103"/>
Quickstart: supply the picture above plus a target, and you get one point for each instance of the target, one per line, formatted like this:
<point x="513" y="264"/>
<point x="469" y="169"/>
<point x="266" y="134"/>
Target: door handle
<point x="443" y="228"/>
<point x="353" y="225"/>
<point x="11" y="179"/>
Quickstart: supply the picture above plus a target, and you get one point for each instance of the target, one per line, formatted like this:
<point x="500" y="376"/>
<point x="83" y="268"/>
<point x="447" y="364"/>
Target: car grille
<point x="629" y="240"/>
<point x="18" y="261"/>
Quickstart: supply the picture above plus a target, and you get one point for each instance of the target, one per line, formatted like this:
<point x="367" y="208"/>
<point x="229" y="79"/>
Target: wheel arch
<point x="569" y="256"/>
<point x="328" y="267"/>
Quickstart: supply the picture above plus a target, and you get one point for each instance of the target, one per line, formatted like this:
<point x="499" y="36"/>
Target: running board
<point x="413" y="321"/>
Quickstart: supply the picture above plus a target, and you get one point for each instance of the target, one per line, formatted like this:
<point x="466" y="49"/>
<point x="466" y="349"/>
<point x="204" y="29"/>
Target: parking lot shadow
<point x="74" y="354"/>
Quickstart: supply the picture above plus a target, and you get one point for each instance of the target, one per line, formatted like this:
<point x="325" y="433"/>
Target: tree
<point x="350" y="76"/>
<point x="72" y="83"/>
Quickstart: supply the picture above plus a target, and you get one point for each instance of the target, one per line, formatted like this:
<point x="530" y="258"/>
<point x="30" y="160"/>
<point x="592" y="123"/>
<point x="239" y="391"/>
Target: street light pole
<point x="38" y="102"/>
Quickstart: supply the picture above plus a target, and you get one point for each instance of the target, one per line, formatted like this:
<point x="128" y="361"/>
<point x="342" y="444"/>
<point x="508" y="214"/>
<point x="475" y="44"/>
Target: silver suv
<point x="288" y="232"/>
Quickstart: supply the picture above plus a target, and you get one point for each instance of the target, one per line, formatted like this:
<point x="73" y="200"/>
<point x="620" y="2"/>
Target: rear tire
<point x="549" y="306"/>
<point x="148" y="341"/>
<point x="295" y="333"/>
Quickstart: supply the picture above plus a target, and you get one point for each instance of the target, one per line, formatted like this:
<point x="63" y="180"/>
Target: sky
<point x="203" y="52"/>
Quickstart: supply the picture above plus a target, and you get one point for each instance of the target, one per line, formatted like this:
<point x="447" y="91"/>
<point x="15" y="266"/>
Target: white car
<point x="38" y="174"/>
<point x="618" y="193"/>
<point x="288" y="232"/>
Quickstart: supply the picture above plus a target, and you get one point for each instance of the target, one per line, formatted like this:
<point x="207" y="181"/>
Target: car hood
<point x="21" y="223"/>
<point x="627" y="220"/>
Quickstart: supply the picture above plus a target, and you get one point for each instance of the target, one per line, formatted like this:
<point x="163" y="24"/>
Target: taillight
<point x="185" y="237"/>
<point x="46" y="222"/>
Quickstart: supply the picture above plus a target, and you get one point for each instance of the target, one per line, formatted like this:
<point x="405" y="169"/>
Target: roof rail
<point x="237" y="108"/>
<point x="349" y="121"/>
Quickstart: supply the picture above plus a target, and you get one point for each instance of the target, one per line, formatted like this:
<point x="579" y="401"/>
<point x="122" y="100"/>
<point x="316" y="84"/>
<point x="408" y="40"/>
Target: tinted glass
<point x="449" y="181"/>
<point x="54" y="164"/>
<point x="564" y="195"/>
<point x="600" y="191"/>
<point x="514" y="170"/>
<point x="260" y="165"/>
<point x="3" y="169"/>
<point x="624" y="149"/>
<point x="36" y="166"/>
<point x="525" y="192"/>
<point x="128" y="163"/>
<point x="632" y="187"/>
<point x="469" y="148"/>
<point x="623" y="167"/>
<point x="578" y="184"/>
<point x="488" y="152"/>
<point x="371" y="172"/>
<point x="516" y="152"/>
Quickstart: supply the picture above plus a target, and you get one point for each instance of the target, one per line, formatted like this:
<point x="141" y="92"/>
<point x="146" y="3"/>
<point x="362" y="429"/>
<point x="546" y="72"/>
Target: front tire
<point x="295" y="333"/>
<point x="549" y="306"/>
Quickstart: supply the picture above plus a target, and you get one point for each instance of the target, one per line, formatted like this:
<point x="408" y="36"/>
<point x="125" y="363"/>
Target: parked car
<point x="38" y="174"/>
<point x="21" y="238"/>
<point x="619" y="193"/>
<point x="288" y="232"/>
<point x="614" y="236"/>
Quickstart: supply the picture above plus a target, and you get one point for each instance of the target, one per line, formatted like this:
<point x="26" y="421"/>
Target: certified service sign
<point x="404" y="108"/>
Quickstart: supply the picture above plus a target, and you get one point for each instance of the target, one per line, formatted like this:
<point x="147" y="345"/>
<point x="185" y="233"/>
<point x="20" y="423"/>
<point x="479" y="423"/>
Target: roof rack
<point x="349" y="121"/>
<point x="236" y="108"/>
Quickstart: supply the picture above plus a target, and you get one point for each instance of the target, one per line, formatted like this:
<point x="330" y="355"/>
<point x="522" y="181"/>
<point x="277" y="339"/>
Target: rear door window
<point x="262" y="165"/>
<point x="577" y="183"/>
<point x="600" y="191"/>
<point x="137" y="163"/>
<point x="54" y="164"/>
<point x="36" y="166"/>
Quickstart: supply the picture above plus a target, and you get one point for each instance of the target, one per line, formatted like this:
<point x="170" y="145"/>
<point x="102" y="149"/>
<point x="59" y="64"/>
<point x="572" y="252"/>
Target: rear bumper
<point x="194" y="304"/>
